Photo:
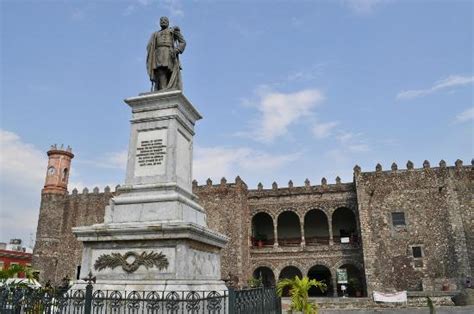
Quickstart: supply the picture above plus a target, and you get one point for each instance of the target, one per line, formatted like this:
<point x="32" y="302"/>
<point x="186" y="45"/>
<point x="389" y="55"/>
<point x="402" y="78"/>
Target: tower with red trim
<point x="57" y="173"/>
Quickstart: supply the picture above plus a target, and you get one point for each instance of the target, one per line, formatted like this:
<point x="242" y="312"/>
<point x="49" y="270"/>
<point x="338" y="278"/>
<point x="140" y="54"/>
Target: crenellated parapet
<point x="410" y="168"/>
<point x="220" y="187"/>
<point x="291" y="189"/>
<point x="95" y="191"/>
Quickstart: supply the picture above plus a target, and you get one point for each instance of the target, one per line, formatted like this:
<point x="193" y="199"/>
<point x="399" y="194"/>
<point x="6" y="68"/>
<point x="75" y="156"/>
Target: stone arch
<point x="262" y="229"/>
<point x="289" y="263"/>
<point x="321" y="273"/>
<point x="356" y="286"/>
<point x="289" y="272"/>
<point x="263" y="210"/>
<point x="279" y="211"/>
<point x="347" y="261"/>
<point x="289" y="229"/>
<point x="316" y="227"/>
<point x="274" y="269"/>
<point x="344" y="225"/>
<point x="266" y="274"/>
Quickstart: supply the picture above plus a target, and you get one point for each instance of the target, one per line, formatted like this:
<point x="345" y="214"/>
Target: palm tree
<point x="299" y="292"/>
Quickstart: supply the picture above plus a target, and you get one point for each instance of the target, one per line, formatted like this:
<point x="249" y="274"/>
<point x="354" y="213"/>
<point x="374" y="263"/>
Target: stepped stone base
<point x="191" y="253"/>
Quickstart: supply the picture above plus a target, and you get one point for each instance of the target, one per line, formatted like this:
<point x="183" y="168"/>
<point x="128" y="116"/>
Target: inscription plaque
<point x="150" y="153"/>
<point x="150" y="157"/>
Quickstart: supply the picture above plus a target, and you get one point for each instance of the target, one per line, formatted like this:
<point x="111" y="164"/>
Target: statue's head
<point x="164" y="22"/>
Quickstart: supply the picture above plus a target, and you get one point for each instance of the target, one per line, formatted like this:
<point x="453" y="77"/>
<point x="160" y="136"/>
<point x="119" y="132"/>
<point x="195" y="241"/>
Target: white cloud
<point x="345" y="137"/>
<point x="352" y="142"/>
<point x="277" y="111"/>
<point x="363" y="6"/>
<point x="117" y="159"/>
<point x="21" y="163"/>
<point x="22" y="173"/>
<point x="323" y="130"/>
<point x="217" y="162"/>
<point x="466" y="115"/>
<point x="449" y="82"/>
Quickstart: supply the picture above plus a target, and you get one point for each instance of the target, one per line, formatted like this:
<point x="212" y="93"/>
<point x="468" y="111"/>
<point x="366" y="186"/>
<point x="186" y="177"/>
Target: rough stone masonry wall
<point x="438" y="212"/>
<point x="57" y="252"/>
<point x="227" y="212"/>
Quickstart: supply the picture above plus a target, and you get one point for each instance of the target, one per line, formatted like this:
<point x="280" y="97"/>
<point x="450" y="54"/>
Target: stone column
<point x="275" y="233"/>
<point x="334" y="283"/>
<point x="303" y="241"/>
<point x="331" y="241"/>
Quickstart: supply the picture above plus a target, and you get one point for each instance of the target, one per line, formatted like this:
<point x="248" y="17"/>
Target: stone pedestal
<point x="155" y="235"/>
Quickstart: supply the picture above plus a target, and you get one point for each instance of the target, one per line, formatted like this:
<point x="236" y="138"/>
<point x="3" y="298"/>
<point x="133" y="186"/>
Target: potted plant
<point x="299" y="288"/>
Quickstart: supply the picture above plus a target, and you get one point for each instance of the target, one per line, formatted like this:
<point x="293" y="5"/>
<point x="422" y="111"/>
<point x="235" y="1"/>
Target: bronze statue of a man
<point x="162" y="62"/>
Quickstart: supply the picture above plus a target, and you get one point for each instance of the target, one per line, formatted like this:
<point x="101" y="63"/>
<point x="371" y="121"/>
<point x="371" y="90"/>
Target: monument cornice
<point x="149" y="231"/>
<point x="141" y="103"/>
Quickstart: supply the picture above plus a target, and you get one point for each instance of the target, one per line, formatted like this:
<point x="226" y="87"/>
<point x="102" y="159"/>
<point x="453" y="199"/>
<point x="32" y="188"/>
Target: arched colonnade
<point x="316" y="227"/>
<point x="356" y="286"/>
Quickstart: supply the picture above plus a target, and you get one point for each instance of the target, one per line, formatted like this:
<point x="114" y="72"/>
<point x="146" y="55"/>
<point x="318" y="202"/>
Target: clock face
<point x="51" y="171"/>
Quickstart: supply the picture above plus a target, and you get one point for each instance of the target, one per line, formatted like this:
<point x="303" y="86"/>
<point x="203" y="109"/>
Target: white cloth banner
<point x="390" y="297"/>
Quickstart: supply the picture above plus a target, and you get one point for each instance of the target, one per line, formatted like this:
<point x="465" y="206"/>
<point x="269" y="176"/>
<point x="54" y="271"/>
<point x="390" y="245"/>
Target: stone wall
<point x="437" y="206"/>
<point x="227" y="213"/>
<point x="437" y="203"/>
<point x="57" y="253"/>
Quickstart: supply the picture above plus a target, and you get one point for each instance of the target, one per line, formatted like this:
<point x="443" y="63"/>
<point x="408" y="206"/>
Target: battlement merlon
<point x="426" y="166"/>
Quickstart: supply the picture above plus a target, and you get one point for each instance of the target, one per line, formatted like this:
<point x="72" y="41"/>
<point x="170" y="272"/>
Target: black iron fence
<point x="255" y="301"/>
<point x="18" y="300"/>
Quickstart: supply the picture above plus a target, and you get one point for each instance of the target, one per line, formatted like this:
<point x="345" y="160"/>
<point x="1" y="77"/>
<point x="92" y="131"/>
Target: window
<point x="417" y="253"/>
<point x="65" y="174"/>
<point x="398" y="219"/>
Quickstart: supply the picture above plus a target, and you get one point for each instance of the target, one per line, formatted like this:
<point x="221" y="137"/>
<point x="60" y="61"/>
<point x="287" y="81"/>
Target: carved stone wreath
<point x="149" y="260"/>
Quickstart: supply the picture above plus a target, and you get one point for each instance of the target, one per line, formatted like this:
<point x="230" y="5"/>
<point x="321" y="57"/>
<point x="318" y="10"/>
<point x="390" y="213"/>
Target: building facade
<point x="15" y="254"/>
<point x="410" y="229"/>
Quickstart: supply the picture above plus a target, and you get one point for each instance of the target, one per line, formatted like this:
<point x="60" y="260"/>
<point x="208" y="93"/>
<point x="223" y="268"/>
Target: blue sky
<point x="288" y="89"/>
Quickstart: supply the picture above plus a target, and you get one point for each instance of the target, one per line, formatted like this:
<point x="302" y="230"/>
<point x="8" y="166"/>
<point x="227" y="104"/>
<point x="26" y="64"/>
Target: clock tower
<point x="57" y="173"/>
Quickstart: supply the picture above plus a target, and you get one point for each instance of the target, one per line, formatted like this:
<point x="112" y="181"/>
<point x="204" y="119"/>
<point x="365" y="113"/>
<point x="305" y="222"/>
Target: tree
<point x="299" y="292"/>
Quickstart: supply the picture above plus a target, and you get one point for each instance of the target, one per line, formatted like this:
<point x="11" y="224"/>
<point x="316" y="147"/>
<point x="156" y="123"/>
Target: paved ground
<point x="439" y="310"/>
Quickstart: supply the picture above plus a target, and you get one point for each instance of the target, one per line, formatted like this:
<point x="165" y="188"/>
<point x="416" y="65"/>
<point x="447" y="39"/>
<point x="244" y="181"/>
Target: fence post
<point x="89" y="288"/>
<point x="88" y="300"/>
<point x="231" y="300"/>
